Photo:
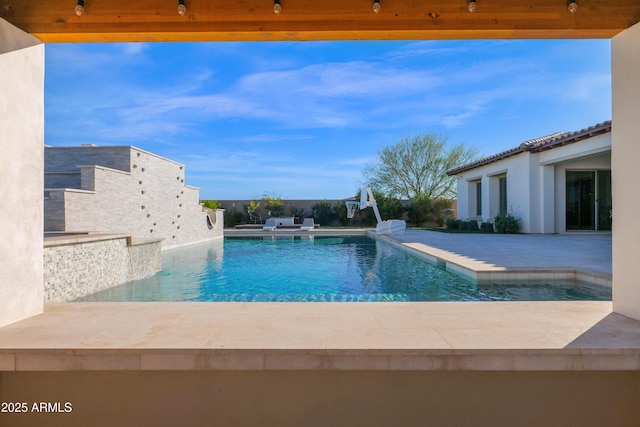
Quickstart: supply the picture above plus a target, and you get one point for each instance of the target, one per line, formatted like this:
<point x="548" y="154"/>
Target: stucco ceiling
<point x="212" y="20"/>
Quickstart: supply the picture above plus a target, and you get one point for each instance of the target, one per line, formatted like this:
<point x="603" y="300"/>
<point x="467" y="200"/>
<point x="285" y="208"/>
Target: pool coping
<point x="480" y="336"/>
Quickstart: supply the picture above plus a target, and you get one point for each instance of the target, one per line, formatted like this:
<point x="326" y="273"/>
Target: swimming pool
<point x="308" y="268"/>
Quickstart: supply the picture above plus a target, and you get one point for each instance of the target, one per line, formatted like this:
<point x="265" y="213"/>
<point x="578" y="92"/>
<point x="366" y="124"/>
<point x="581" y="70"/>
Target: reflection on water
<point x="308" y="268"/>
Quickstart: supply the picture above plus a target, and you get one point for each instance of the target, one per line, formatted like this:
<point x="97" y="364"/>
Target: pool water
<point x="313" y="268"/>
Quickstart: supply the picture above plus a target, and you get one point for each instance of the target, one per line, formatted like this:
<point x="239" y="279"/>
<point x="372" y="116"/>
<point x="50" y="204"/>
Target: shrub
<point x="438" y="208"/>
<point x="211" y="204"/>
<point x="274" y="205"/>
<point x="420" y="210"/>
<point x="463" y="226"/>
<point x="453" y="224"/>
<point x="296" y="212"/>
<point x="473" y="225"/>
<point x="340" y="209"/>
<point x="389" y="207"/>
<point x="232" y="217"/>
<point x="449" y="213"/>
<point x="486" y="227"/>
<point x="506" y="223"/>
<point x="324" y="212"/>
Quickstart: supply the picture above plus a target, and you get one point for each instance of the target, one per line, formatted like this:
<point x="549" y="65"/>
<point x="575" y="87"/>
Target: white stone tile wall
<point x="149" y="200"/>
<point x="67" y="159"/>
<point x="75" y="270"/>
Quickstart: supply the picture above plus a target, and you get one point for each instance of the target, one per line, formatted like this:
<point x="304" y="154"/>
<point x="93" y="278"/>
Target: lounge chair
<point x="270" y="225"/>
<point x="308" y="225"/>
<point x="254" y="217"/>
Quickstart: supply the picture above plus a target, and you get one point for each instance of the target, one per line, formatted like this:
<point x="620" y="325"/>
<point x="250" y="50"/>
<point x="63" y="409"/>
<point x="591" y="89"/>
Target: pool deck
<point x="585" y="257"/>
<point x="450" y="336"/>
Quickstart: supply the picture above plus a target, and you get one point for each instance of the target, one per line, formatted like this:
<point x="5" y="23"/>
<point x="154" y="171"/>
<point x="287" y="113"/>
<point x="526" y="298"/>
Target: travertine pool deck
<point x="580" y="335"/>
<point x="585" y="257"/>
<point x="323" y="336"/>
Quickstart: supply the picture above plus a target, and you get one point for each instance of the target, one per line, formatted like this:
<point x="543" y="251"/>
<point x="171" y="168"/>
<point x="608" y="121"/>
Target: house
<point x="554" y="184"/>
<point x="123" y="189"/>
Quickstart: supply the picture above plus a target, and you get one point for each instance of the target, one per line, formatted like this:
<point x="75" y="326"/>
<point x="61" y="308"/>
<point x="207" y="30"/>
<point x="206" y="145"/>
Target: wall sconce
<point x="182" y="9"/>
<point x="376" y="6"/>
<point x="79" y="9"/>
<point x="572" y="6"/>
<point x="277" y="8"/>
<point x="471" y="6"/>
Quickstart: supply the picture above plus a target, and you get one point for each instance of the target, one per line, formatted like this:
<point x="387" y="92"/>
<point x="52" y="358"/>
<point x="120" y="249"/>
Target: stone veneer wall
<point x="139" y="193"/>
<point x="79" y="266"/>
<point x="65" y="160"/>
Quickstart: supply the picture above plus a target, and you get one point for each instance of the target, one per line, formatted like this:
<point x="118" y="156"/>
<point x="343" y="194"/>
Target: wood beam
<point x="242" y="20"/>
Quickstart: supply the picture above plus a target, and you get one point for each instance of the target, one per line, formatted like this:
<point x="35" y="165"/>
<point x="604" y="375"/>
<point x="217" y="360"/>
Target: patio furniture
<point x="308" y="225"/>
<point x="254" y="217"/>
<point x="270" y="225"/>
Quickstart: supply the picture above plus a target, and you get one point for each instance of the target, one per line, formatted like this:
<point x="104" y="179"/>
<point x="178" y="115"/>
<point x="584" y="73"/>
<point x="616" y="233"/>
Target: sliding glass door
<point x="588" y="200"/>
<point x="603" y="200"/>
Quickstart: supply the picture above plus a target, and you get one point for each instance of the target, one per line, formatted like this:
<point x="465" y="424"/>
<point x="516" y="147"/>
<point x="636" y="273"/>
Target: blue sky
<point x="302" y="120"/>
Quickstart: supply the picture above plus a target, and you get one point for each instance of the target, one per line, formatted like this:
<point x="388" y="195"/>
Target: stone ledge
<point x="319" y="360"/>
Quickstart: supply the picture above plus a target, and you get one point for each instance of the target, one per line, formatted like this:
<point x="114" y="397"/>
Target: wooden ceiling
<point x="224" y="20"/>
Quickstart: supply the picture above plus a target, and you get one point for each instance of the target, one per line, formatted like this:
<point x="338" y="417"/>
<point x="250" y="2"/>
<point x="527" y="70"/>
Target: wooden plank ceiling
<point x="221" y="20"/>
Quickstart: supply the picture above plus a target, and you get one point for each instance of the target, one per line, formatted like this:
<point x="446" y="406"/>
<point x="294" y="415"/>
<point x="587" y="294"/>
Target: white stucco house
<point x="554" y="184"/>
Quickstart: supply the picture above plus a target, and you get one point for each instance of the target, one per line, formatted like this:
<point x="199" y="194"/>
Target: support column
<point x="21" y="173"/>
<point x="548" y="199"/>
<point x="625" y="173"/>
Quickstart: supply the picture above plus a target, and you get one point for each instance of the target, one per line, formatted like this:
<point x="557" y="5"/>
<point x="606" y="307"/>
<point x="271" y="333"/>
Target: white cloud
<point x="282" y="121"/>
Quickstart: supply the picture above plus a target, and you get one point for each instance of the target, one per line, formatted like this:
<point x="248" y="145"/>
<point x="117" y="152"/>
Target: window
<point x="503" y="195"/>
<point x="479" y="198"/>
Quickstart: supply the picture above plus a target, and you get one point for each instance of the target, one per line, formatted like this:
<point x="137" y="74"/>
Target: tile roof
<point x="536" y="145"/>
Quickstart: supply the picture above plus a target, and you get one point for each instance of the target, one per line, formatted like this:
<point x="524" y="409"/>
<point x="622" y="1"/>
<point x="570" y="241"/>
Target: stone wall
<point x="148" y="198"/>
<point x="67" y="159"/>
<point x="75" y="266"/>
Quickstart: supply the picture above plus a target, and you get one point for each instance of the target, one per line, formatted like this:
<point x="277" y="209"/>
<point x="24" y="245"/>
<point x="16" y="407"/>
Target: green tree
<point x="416" y="167"/>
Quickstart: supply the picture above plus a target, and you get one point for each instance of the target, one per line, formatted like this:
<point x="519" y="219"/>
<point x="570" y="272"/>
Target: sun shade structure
<point x="147" y="20"/>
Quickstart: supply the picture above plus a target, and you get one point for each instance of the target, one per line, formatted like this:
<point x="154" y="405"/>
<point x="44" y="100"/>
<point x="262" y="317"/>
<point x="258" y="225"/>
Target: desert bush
<point x="453" y="224"/>
<point x="438" y="208"/>
<point x="486" y="227"/>
<point x="506" y="223"/>
<point x="420" y="210"/>
<point x="211" y="204"/>
<point x="233" y="217"/>
<point x="273" y="205"/>
<point x="324" y="212"/>
<point x="449" y="213"/>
